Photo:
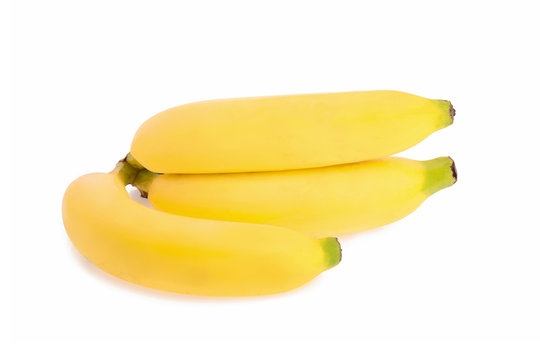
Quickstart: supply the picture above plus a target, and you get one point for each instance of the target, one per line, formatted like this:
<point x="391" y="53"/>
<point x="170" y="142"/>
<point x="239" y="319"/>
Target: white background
<point x="459" y="278"/>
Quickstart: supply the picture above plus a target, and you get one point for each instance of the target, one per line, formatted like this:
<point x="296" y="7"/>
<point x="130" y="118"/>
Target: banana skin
<point x="333" y="200"/>
<point x="182" y="254"/>
<point x="286" y="132"/>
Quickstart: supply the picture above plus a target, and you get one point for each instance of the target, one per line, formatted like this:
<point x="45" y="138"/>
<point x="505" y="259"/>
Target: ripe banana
<point x="186" y="255"/>
<point x="286" y="132"/>
<point x="326" y="201"/>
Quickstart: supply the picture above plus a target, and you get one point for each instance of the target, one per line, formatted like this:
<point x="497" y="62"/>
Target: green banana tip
<point x="440" y="173"/>
<point x="332" y="251"/>
<point x="446" y="119"/>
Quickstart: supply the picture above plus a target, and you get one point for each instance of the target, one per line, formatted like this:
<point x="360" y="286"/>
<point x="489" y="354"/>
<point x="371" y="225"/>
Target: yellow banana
<point x="286" y="132"/>
<point x="332" y="200"/>
<point x="186" y="255"/>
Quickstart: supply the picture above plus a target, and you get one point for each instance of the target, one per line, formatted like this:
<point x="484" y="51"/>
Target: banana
<point x="333" y="200"/>
<point x="286" y="132"/>
<point x="186" y="255"/>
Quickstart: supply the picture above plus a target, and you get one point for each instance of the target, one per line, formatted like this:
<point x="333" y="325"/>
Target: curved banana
<point x="186" y="255"/>
<point x="286" y="132"/>
<point x="333" y="200"/>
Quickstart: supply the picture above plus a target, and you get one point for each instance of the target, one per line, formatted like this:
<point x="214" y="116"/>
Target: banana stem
<point x="125" y="172"/>
<point x="131" y="172"/>
<point x="143" y="180"/>
<point x="133" y="162"/>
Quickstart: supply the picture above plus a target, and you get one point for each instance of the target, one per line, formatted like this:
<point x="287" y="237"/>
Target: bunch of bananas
<point x="248" y="193"/>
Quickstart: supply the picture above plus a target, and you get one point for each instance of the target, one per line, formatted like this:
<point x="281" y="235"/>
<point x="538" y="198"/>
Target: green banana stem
<point x="133" y="162"/>
<point x="131" y="172"/>
<point x="125" y="172"/>
<point x="143" y="180"/>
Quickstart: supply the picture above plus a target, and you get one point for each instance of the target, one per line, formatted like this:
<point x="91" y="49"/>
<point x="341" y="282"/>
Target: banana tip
<point x="453" y="168"/>
<point x="332" y="250"/>
<point x="452" y="111"/>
